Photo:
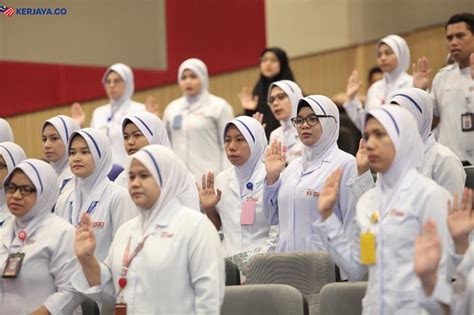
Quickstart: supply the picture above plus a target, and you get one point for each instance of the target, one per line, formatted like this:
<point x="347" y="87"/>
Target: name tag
<point x="177" y="122"/>
<point x="247" y="215"/>
<point x="13" y="265"/>
<point x="98" y="225"/>
<point x="367" y="248"/>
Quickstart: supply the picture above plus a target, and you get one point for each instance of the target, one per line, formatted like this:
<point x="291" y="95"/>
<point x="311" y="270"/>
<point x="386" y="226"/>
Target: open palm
<point x="208" y="197"/>
<point x="328" y="196"/>
<point x="85" y="241"/>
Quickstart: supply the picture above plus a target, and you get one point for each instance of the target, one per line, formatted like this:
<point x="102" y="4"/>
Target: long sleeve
<point x="122" y="209"/>
<point x="63" y="265"/>
<point x="358" y="185"/>
<point x="206" y="268"/>
<point x="343" y="246"/>
<point x="450" y="174"/>
<point x="355" y="111"/>
<point x="270" y="201"/>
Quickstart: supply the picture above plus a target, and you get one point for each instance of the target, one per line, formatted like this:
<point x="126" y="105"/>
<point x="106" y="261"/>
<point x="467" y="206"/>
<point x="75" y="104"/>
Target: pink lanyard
<point x="126" y="260"/>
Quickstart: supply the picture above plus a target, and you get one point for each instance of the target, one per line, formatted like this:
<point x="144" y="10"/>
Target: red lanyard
<point x="126" y="260"/>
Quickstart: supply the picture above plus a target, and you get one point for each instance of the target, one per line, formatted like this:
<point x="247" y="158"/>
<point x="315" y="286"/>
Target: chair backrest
<point x="306" y="271"/>
<point x="232" y="273"/>
<point x="342" y="298"/>
<point x="469" y="176"/>
<point x="261" y="299"/>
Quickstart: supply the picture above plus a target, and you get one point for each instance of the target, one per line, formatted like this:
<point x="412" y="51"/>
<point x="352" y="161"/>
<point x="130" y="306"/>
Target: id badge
<point x="177" y="122"/>
<point x="120" y="309"/>
<point x="367" y="248"/>
<point x="467" y="122"/>
<point x="247" y="215"/>
<point x="13" y="265"/>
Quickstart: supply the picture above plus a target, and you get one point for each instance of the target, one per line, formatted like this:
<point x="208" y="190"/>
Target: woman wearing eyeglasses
<point x="291" y="194"/>
<point x="37" y="248"/>
<point x="283" y="97"/>
<point x="119" y="86"/>
<point x="10" y="155"/>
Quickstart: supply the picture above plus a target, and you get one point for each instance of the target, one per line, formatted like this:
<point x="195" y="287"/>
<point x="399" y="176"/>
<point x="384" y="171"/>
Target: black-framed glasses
<point x="311" y="120"/>
<point x="25" y="190"/>
<point x="279" y="96"/>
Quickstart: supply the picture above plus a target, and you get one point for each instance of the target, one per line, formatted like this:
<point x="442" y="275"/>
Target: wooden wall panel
<point x="325" y="73"/>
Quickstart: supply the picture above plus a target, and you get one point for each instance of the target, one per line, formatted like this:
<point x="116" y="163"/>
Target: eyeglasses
<point x="24" y="190"/>
<point x="279" y="96"/>
<point x="311" y="120"/>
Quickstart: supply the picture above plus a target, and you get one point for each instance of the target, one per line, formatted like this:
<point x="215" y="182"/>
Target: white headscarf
<point x="200" y="69"/>
<point x="13" y="154"/>
<point x="169" y="173"/>
<point x="402" y="129"/>
<point x="294" y="94"/>
<point x="65" y="126"/>
<point x="6" y="133"/>
<point x="90" y="189"/>
<point x="254" y="134"/>
<point x="44" y="179"/>
<point x="420" y="105"/>
<point x="400" y="47"/>
<point x="125" y="72"/>
<point x="151" y="127"/>
<point x="321" y="106"/>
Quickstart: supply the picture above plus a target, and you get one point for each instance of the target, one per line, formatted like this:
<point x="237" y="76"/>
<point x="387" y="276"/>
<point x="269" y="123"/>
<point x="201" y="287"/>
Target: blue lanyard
<point x="90" y="210"/>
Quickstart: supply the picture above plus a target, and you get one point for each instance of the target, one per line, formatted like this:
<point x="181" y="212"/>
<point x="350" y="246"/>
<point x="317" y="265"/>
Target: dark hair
<point x="467" y="18"/>
<point x="302" y="103"/>
<point x="46" y="124"/>
<point x="374" y="69"/>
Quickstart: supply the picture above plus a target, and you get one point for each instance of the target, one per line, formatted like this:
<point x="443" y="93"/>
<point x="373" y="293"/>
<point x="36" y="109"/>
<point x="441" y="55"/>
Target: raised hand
<point x="328" y="196"/>
<point x="78" y="114"/>
<point x="208" y="198"/>
<point x="353" y="85"/>
<point x="461" y="220"/>
<point x="259" y="116"/>
<point x="247" y="100"/>
<point x="275" y="161"/>
<point x="152" y="106"/>
<point x="362" y="159"/>
<point x="427" y="256"/>
<point x="85" y="242"/>
<point x="421" y="73"/>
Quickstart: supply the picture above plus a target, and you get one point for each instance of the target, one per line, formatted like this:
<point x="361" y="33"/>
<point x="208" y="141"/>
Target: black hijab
<point x="261" y="89"/>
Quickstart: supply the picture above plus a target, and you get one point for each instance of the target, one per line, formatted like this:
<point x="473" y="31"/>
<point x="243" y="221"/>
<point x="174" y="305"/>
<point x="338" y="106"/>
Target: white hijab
<point x="402" y="129"/>
<point x="13" y="154"/>
<point x="420" y="105"/>
<point x="6" y="133"/>
<point x="171" y="176"/>
<point x="125" y="72"/>
<point x="44" y="179"/>
<point x="400" y="47"/>
<point x="321" y="106"/>
<point x="200" y="69"/>
<point x="90" y="189"/>
<point x="150" y="126"/>
<point x="294" y="94"/>
<point x="65" y="126"/>
<point x="254" y="134"/>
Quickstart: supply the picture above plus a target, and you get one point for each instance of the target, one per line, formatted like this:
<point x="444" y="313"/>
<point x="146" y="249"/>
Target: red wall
<point x="226" y="35"/>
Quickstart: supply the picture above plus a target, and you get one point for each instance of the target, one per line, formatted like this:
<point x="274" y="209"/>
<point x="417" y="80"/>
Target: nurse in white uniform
<point x="291" y="194"/>
<point x="10" y="155"/>
<point x="196" y="121"/>
<point x="168" y="260"/>
<point x="55" y="136"/>
<point x="283" y="97"/>
<point x="393" y="57"/>
<point x="439" y="163"/>
<point x="142" y="129"/>
<point x="237" y="205"/>
<point x="108" y="204"/>
<point x="119" y="84"/>
<point x="37" y="248"/>
<point x="6" y="133"/>
<point x="381" y="239"/>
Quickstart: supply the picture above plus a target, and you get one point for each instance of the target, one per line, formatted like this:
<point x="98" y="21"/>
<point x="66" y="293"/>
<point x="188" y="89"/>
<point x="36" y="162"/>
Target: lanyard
<point x="91" y="209"/>
<point x="126" y="260"/>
